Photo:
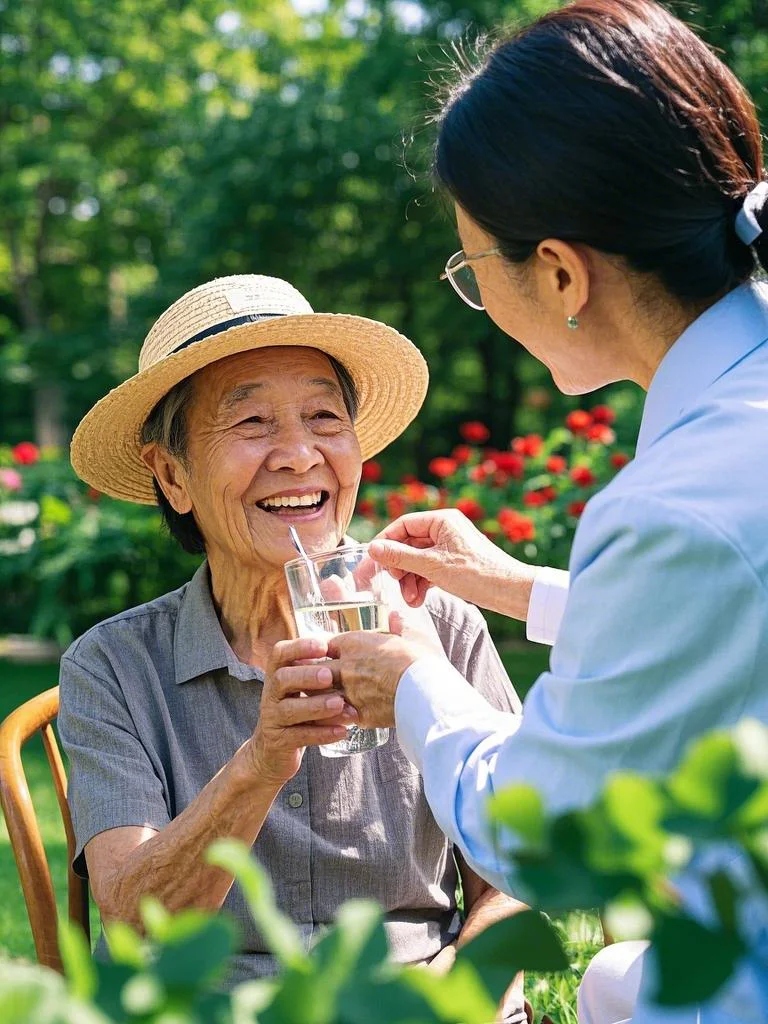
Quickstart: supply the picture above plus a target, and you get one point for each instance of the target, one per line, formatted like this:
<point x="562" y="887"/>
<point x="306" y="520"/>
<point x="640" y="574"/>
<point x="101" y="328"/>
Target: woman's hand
<point x="444" y="549"/>
<point x="369" y="667"/>
<point x="299" y="708"/>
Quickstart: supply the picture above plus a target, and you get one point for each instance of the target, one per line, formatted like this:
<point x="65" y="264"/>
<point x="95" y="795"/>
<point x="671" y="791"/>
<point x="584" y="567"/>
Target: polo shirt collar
<point x="199" y="645"/>
<point x="713" y="344"/>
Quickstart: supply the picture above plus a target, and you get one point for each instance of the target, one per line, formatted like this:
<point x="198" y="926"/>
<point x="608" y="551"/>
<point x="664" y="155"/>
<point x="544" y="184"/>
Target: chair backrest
<point x="37" y="715"/>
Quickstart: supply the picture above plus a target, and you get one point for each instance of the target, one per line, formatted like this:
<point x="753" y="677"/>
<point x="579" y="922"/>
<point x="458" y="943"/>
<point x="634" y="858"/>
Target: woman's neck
<point x="254" y="608"/>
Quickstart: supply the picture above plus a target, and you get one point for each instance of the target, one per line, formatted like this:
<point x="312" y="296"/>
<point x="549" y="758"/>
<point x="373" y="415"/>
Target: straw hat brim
<point x="389" y="372"/>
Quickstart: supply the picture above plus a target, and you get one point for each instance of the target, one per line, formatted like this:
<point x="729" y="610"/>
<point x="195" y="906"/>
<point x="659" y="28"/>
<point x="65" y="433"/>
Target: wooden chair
<point x="37" y="715"/>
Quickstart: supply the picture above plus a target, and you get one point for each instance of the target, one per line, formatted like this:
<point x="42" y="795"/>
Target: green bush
<point x="616" y="855"/>
<point x="70" y="557"/>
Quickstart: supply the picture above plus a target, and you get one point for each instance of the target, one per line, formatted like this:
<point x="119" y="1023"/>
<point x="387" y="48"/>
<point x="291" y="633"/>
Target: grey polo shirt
<point x="154" y="702"/>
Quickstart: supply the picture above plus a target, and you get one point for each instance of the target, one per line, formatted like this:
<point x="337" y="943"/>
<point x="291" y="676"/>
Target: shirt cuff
<point x="433" y="695"/>
<point x="547" y="605"/>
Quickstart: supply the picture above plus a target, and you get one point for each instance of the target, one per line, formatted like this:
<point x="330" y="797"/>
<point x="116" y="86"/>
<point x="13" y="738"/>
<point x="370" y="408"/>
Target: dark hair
<point x="610" y="123"/>
<point x="166" y="425"/>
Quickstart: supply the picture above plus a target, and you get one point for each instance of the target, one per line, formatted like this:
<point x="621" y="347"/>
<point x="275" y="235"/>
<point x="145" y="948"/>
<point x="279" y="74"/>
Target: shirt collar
<point x="721" y="337"/>
<point x="199" y="645"/>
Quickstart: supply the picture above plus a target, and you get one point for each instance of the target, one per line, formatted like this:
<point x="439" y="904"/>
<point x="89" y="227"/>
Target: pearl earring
<point x="573" y="322"/>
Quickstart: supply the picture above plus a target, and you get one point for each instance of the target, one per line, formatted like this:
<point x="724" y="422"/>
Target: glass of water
<point x="337" y="592"/>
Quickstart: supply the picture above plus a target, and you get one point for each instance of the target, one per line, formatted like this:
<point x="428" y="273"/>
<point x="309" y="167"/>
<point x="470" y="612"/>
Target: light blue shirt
<point x="664" y="634"/>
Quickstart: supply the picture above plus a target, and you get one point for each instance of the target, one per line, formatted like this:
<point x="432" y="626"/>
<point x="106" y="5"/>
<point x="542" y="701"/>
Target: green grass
<point x="17" y="684"/>
<point x="554" y="994"/>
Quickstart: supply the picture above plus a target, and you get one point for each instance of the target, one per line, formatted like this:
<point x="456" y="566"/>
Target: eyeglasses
<point x="462" y="278"/>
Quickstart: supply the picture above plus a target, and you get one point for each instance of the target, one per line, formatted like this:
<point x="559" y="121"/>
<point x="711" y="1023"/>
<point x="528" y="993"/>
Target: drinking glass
<point x="337" y="592"/>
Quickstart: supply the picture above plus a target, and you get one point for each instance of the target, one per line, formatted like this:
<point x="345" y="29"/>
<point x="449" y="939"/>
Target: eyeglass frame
<point x="465" y="260"/>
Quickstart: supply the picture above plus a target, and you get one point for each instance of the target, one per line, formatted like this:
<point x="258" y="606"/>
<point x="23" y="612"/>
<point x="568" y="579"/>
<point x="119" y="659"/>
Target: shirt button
<point x="295" y="800"/>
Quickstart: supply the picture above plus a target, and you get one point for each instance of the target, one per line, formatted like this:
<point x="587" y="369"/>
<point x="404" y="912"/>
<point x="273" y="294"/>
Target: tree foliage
<point x="147" y="146"/>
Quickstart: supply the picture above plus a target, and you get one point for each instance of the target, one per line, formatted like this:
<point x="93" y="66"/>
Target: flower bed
<point x="527" y="498"/>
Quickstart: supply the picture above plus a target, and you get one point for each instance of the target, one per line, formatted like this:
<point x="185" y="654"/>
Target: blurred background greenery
<point x="148" y="145"/>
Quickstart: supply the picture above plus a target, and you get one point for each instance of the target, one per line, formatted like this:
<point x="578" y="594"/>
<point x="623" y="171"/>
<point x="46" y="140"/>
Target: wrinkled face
<point x="270" y="443"/>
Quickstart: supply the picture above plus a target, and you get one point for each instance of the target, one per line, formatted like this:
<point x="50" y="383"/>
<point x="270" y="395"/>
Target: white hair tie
<point x="747" y="225"/>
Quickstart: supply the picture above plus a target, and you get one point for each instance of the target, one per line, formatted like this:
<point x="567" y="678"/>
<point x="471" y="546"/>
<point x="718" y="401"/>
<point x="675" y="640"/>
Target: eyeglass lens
<point x="465" y="282"/>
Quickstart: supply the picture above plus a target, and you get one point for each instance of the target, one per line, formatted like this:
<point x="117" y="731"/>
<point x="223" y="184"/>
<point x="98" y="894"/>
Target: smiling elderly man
<point x="181" y="718"/>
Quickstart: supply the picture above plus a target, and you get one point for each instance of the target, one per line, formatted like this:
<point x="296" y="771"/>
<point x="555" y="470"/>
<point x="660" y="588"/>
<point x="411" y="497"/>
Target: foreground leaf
<point x="523" y="942"/>
<point x="693" y="961"/>
<point x="280" y="934"/>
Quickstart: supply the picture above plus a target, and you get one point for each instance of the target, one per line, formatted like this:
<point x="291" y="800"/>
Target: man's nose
<point x="294" y="450"/>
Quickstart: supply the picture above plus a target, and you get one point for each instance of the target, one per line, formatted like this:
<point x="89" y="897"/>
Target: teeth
<point x="293" y="501"/>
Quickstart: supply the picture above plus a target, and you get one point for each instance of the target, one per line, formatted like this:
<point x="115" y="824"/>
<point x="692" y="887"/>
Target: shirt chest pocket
<point x="394" y="766"/>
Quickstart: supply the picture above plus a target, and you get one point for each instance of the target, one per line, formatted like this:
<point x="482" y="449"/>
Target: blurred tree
<point x="147" y="146"/>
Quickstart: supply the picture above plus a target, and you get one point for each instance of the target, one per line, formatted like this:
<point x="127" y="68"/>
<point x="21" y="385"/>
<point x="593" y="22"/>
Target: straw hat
<point x="237" y="314"/>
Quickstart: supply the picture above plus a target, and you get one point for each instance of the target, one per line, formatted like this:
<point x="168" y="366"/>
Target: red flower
<point x="576" y="508"/>
<point x="416" y="491"/>
<point x="462" y="453"/>
<point x="443" y="467"/>
<point x="578" y="421"/>
<point x="396" y="505"/>
<point x="366" y="508"/>
<point x="25" y="453"/>
<point x="515" y="526"/>
<point x="603" y="414"/>
<point x="582" y="476"/>
<point x="93" y="494"/>
<point x="600" y="432"/>
<point x="371" y="472"/>
<point x="479" y="474"/>
<point x="509" y="462"/>
<point x="474" y="432"/>
<point x="530" y="445"/>
<point x="472" y="509"/>
<point x="619" y="460"/>
<point x="409" y="478"/>
<point x="556" y="464"/>
<point x="534" y="499"/>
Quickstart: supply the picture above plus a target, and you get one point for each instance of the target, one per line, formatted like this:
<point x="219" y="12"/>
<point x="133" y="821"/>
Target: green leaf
<point x="197" y="958"/>
<point x="698" y="784"/>
<point x="724" y="896"/>
<point x="392" y="999"/>
<point x="693" y="961"/>
<point x="459" y="995"/>
<point x="345" y="955"/>
<point x="280" y="934"/>
<point x="77" y="960"/>
<point x="520" y="809"/>
<point x="523" y="942"/>
<point x="126" y="945"/>
<point x="30" y="994"/>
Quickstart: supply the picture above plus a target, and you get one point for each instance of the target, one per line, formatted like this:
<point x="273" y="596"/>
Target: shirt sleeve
<point x="647" y="658"/>
<point x="546" y="606"/>
<point x="111" y="780"/>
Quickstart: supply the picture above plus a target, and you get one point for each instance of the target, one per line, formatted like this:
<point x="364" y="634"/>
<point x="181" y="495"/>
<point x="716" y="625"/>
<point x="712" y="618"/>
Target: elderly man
<point x="181" y="718"/>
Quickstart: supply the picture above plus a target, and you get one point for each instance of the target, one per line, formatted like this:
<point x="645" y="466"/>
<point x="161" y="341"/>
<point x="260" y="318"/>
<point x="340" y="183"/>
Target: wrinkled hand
<point x="368" y="667"/>
<point x="444" y="549"/>
<point x="299" y="708"/>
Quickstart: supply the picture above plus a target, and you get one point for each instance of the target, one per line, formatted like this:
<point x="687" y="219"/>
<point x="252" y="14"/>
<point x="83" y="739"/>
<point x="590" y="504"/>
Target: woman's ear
<point x="170" y="475"/>
<point x="564" y="276"/>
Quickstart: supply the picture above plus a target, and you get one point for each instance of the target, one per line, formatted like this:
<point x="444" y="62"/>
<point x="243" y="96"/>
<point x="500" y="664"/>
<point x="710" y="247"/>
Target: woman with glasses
<point x="612" y="205"/>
